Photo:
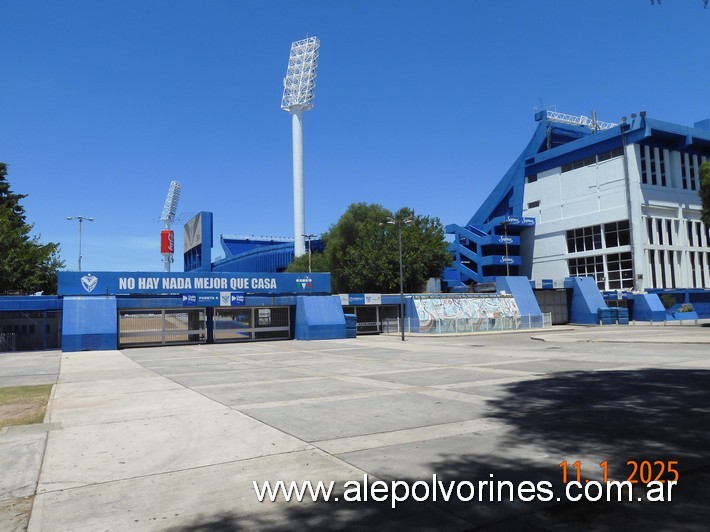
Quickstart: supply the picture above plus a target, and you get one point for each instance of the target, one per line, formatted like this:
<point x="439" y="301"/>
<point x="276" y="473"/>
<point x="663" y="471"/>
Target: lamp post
<point x="81" y="220"/>
<point x="399" y="223"/>
<point x="308" y="238"/>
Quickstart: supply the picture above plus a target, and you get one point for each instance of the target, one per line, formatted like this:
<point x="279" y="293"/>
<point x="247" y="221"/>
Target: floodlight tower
<point x="167" y="235"/>
<point x="299" y="91"/>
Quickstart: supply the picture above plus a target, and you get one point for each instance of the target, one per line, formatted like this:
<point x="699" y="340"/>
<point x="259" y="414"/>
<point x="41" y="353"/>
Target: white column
<point x="299" y="218"/>
<point x="636" y="221"/>
<point x="685" y="278"/>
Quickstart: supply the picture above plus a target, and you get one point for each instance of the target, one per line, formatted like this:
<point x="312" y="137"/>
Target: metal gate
<point x="251" y="323"/>
<point x="370" y="318"/>
<point x="554" y="302"/>
<point x="161" y="327"/>
<point x="30" y="330"/>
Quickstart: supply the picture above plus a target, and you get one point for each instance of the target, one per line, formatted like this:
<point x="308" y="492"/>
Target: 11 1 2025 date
<point x="643" y="471"/>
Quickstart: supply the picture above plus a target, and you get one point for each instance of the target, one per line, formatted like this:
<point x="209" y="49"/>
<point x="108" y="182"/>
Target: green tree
<point x="319" y="263"/>
<point x="26" y="265"/>
<point x="362" y="251"/>
<point x="705" y="193"/>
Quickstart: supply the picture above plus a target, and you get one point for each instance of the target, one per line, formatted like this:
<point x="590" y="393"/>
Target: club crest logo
<point x="305" y="282"/>
<point x="89" y="282"/>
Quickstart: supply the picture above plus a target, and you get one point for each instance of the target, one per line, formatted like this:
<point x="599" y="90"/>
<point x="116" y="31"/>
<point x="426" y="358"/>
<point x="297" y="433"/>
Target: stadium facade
<point x="615" y="202"/>
<point x="589" y="212"/>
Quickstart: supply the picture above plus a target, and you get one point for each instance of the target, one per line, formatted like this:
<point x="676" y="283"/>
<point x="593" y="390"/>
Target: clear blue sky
<point x="422" y="104"/>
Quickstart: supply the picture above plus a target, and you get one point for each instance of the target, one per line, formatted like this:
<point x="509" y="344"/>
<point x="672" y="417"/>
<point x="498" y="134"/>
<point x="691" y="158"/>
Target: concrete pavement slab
<point x="97" y="375"/>
<point x="222" y="497"/>
<point x="178" y="369"/>
<point x="109" y="408"/>
<point x="440" y="376"/>
<point x="29" y="368"/>
<point x="364" y="415"/>
<point x="85" y="361"/>
<point x="185" y="469"/>
<point x="118" y="386"/>
<point x="347" y="366"/>
<point x="233" y="376"/>
<point x="20" y="460"/>
<point x="236" y="394"/>
<point x="473" y="457"/>
<point x="556" y="365"/>
<point x="93" y="454"/>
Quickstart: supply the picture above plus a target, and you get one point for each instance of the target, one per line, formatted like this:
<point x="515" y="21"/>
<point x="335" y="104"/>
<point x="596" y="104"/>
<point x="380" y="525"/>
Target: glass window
<point x="617" y="234"/>
<point x="652" y="164"/>
<point x="619" y="268"/>
<point x="662" y="162"/>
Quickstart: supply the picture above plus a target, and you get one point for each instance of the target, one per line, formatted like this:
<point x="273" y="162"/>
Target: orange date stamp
<point x="639" y="471"/>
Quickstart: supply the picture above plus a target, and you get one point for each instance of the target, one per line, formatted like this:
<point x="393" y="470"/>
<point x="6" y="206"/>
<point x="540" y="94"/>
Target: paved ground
<point x="172" y="438"/>
<point x="22" y="448"/>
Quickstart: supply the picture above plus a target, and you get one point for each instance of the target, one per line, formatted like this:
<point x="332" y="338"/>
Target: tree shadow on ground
<point x="653" y="415"/>
<point x="642" y="415"/>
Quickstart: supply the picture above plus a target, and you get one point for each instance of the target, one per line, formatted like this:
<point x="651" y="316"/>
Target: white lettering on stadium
<point x="210" y="283"/>
<point x="198" y="283"/>
<point x="126" y="283"/>
<point x="177" y="283"/>
<point x="263" y="284"/>
<point x="239" y="283"/>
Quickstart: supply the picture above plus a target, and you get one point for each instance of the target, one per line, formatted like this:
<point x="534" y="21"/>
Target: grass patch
<point x="23" y="405"/>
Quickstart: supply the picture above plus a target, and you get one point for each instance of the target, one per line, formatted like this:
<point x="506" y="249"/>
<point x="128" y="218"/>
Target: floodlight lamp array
<point x="300" y="80"/>
<point x="171" y="203"/>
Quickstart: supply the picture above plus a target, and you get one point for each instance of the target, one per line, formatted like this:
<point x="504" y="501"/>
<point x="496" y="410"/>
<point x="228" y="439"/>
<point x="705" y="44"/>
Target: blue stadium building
<point x="615" y="202"/>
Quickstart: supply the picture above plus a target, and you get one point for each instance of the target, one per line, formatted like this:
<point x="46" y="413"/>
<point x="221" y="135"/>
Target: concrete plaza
<point x="172" y="438"/>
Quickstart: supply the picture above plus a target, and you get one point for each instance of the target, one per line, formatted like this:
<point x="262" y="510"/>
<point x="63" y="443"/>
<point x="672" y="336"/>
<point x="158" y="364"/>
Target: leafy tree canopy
<point x="26" y="265"/>
<point x="705" y="192"/>
<point x="362" y="251"/>
<point x="319" y="263"/>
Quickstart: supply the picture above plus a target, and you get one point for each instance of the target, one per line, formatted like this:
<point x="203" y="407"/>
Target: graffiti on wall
<point x="473" y="310"/>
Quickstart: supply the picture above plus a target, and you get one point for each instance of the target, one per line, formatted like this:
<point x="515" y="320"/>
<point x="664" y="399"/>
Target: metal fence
<point x="468" y="325"/>
<point x="7" y="342"/>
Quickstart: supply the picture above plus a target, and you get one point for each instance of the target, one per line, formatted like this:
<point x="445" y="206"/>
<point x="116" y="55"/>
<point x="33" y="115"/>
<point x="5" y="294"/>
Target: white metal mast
<point x="299" y="91"/>
<point x="167" y="236"/>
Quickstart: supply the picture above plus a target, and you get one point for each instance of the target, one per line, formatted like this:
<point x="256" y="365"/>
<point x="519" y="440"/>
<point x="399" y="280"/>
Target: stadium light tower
<point x="299" y="91"/>
<point x="167" y="235"/>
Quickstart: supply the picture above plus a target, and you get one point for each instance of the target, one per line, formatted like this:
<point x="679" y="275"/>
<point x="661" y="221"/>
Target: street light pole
<point x="308" y="237"/>
<point x="399" y="223"/>
<point x="81" y="220"/>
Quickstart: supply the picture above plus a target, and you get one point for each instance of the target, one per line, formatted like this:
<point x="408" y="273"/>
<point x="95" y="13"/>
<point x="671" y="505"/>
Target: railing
<point x="7" y="342"/>
<point x="469" y="325"/>
<point x="579" y="120"/>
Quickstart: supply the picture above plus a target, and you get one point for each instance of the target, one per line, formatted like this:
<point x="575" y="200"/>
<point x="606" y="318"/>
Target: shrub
<point x="668" y="300"/>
